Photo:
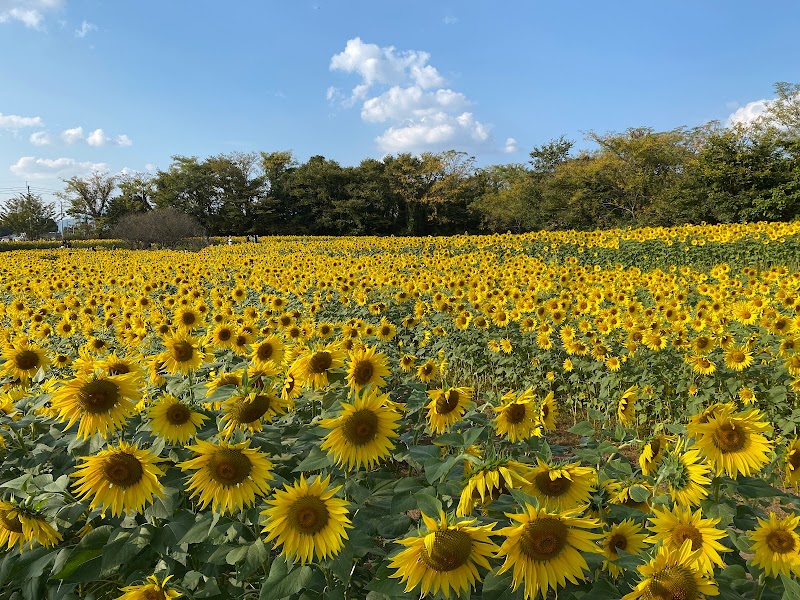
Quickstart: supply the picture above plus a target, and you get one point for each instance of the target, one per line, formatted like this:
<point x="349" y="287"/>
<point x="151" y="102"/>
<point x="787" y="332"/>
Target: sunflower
<point x="249" y="410"/>
<point x="182" y="354"/>
<point x="23" y="359"/>
<point x="446" y="556"/>
<point x="701" y="365"/>
<point x="544" y="550"/>
<point x="312" y="367"/>
<point x="366" y="367"/>
<point x="269" y="350"/>
<point x="119" y="365"/>
<point x="102" y="403"/>
<point x="776" y="545"/>
<point x="673" y="527"/>
<point x="446" y="407"/>
<point x="307" y="521"/>
<point x="792" y="459"/>
<point x="173" y="420"/>
<point x="548" y="412"/>
<point x="626" y="408"/>
<point x="363" y="432"/>
<point x="517" y="417"/>
<point x="187" y="318"/>
<point x="221" y="337"/>
<point x="652" y="454"/>
<point x="686" y="476"/>
<point x="671" y="574"/>
<point x="119" y="478"/>
<point x="386" y="331"/>
<point x="734" y="444"/>
<point x="21" y="526"/>
<point x="487" y="482"/>
<point x="738" y="358"/>
<point x="227" y="476"/>
<point x="561" y="487"/>
<point x="626" y="536"/>
<point x="152" y="590"/>
<point x="407" y="362"/>
<point x="428" y="371"/>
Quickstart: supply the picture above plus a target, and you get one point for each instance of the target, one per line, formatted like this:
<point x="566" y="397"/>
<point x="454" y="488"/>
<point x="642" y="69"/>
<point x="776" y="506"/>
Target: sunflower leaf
<point x="281" y="583"/>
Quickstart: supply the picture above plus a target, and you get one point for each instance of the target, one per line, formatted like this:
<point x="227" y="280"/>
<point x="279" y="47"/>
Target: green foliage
<point x="28" y="214"/>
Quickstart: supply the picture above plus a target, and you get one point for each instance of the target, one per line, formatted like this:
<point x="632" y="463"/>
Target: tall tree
<point x="28" y="214"/>
<point x="505" y="201"/>
<point x="784" y="111"/>
<point x="89" y="198"/>
<point x="135" y="196"/>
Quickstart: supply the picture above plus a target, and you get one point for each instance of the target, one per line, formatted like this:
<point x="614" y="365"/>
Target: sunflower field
<point x="588" y="415"/>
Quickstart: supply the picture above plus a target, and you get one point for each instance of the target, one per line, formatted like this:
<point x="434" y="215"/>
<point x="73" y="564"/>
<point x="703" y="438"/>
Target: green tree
<point x="89" y="199"/>
<point x="135" y="196"/>
<point x="28" y="214"/>
<point x="505" y="202"/>
<point x="784" y="111"/>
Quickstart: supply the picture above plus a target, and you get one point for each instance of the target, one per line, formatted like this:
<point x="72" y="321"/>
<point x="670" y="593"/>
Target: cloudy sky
<point x="105" y="85"/>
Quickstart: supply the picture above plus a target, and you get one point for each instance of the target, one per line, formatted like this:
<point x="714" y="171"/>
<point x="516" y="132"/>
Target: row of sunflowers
<point x="391" y="418"/>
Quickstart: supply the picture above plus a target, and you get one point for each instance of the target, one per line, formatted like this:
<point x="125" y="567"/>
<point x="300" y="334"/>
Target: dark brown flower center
<point x="308" y="515"/>
<point x="794" y="459"/>
<point x="118" y="368"/>
<point x="737" y="357"/>
<point x="320" y="362"/>
<point x="26" y="360"/>
<point x="362" y="372"/>
<point x="123" y="469"/>
<point x="178" y="414"/>
<point x="224" y="334"/>
<point x="685" y="532"/>
<point x="249" y="411"/>
<point x="182" y="351"/>
<point x="154" y="594"/>
<point x="98" y="396"/>
<point x="543" y="539"/>
<point x="552" y="487"/>
<point x="265" y="351"/>
<point x="673" y="583"/>
<point x="617" y="542"/>
<point x="781" y="542"/>
<point x="361" y="427"/>
<point x="10" y="523"/>
<point x="451" y="549"/>
<point x="188" y="318"/>
<point x="729" y="438"/>
<point x="447" y="402"/>
<point x="229" y="467"/>
<point x="515" y="413"/>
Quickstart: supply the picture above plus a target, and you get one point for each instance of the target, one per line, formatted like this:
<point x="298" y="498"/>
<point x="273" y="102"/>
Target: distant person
<point x="230" y="241"/>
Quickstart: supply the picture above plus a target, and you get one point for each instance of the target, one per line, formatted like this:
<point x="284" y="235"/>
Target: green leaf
<point x="427" y="504"/>
<point x="639" y="493"/>
<point x="791" y="589"/>
<point x="281" y="583"/>
<point x="438" y="469"/>
<point x="87" y="556"/>
<point x="497" y="587"/>
<point x="315" y="461"/>
<point x="584" y="429"/>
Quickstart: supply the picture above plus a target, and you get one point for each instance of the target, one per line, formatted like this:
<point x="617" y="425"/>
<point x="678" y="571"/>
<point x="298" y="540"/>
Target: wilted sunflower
<point x="626" y="408"/>
<point x="517" y="417"/>
<point x="672" y="574"/>
<point x="544" y="550"/>
<point x="20" y="526"/>
<point x="119" y="478"/>
<point x="446" y="557"/>
<point x="487" y="482"/>
<point x="312" y="367"/>
<point x="249" y="410"/>
<point x="363" y="432"/>
<point x="733" y="443"/>
<point x="561" y="487"/>
<point x="652" y="454"/>
<point x="447" y="407"/>
<point x="23" y="359"/>
<point x="776" y="545"/>
<point x="307" y="521"/>
<point x="673" y="527"/>
<point x="626" y="536"/>
<point x="269" y="350"/>
<point x="182" y="354"/>
<point x="366" y="367"/>
<point x="173" y="420"/>
<point x="227" y="476"/>
<point x="102" y="403"/>
<point x="686" y="474"/>
<point x="152" y="590"/>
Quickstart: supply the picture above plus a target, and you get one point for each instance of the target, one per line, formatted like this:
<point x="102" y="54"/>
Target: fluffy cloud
<point x="96" y="138"/>
<point x="403" y="90"/>
<point x="750" y="112"/>
<point x="86" y="29"/>
<point x="72" y="135"/>
<point x="30" y="167"/>
<point x="40" y="138"/>
<point x="511" y="147"/>
<point x="30" y="13"/>
<point x="17" y="122"/>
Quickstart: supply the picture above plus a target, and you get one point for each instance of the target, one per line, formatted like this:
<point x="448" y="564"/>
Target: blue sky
<point x="87" y="84"/>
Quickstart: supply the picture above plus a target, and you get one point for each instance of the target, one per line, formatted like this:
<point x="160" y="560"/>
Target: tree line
<point x="639" y="177"/>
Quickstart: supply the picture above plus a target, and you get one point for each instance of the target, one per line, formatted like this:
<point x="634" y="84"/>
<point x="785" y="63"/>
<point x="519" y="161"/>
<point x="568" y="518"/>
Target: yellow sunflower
<point x="407" y="362"/>
<point x="249" y="410"/>
<point x="174" y="420"/>
<point x="23" y="359"/>
<point x="792" y="459"/>
<point x="548" y="412"/>
<point x="561" y="487"/>
<point x="152" y="590"/>
<point x="734" y="444"/>
<point x="269" y="350"/>
<point x="687" y="479"/>
<point x="445" y="557"/>
<point x="428" y="371"/>
<point x="182" y="354"/>
<point x="517" y="417"/>
<point x="673" y="527"/>
<point x="671" y="574"/>
<point x="102" y="403"/>
<point x="366" y="367"/>
<point x="447" y="407"/>
<point x="312" y="367"/>
<point x="626" y="408"/>
<point x="307" y="520"/>
<point x="21" y="526"/>
<point x="543" y="550"/>
<point x="776" y="545"/>
<point x="487" y="482"/>
<point x="738" y="358"/>
<point x="119" y="478"/>
<point x="221" y="337"/>
<point x="626" y="536"/>
<point x="652" y="454"/>
<point x="227" y="476"/>
<point x="362" y="434"/>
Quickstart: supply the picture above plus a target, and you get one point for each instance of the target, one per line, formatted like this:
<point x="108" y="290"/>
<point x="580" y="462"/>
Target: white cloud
<point x="30" y="167"/>
<point x="72" y="135"/>
<point x="404" y="91"/>
<point x="86" y="29"/>
<point x="30" y="13"/>
<point x="99" y="138"/>
<point x="150" y="168"/>
<point x="750" y="112"/>
<point x="511" y="146"/>
<point x="450" y="20"/>
<point x="123" y="140"/>
<point x="41" y="138"/>
<point x="17" y="122"/>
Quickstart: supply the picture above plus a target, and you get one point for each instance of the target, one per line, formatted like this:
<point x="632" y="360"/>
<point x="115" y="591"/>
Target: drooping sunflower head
<point x="447" y="407"/>
<point x="652" y="454"/>
<point x="249" y="411"/>
<point x="24" y="527"/>
<point x="626" y="408"/>
<point x="307" y="520"/>
<point x="548" y="412"/>
<point x="487" y="482"/>
<point x="153" y="589"/>
<point x="673" y="574"/>
<point x="686" y="476"/>
<point x="562" y="487"/>
<point x="791" y="457"/>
